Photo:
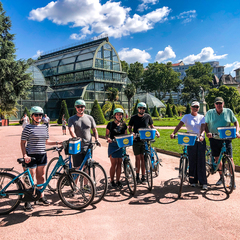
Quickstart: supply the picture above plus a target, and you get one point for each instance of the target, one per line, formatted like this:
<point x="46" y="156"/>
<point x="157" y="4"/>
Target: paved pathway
<point x="149" y="215"/>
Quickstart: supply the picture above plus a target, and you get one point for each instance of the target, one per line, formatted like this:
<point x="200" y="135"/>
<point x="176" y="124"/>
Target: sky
<point x="140" y="30"/>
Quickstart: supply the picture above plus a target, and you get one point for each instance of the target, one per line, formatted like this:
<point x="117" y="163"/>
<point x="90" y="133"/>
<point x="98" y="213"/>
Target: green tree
<point x="28" y="114"/>
<point x="135" y="110"/>
<point x="169" y="112"/>
<point x="63" y="110"/>
<point x="125" y="66"/>
<point x="188" y="109"/>
<point x="180" y="109"/>
<point x="97" y="113"/>
<point x="129" y="91"/>
<point x="155" y="112"/>
<point x="174" y="111"/>
<point x="198" y="76"/>
<point x="160" y="77"/>
<point x="148" y="110"/>
<point x="112" y="94"/>
<point x="135" y="74"/>
<point x="229" y="94"/>
<point x="14" y="82"/>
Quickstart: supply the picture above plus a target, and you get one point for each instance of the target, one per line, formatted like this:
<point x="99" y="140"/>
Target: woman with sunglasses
<point x="195" y="123"/>
<point x="115" y="128"/>
<point x="33" y="144"/>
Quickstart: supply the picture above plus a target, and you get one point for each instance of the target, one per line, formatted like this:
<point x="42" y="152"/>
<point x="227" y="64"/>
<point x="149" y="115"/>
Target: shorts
<point x="138" y="147"/>
<point x="78" y="158"/>
<point x="216" y="146"/>
<point x="114" y="150"/>
<point x="63" y="127"/>
<point x="40" y="160"/>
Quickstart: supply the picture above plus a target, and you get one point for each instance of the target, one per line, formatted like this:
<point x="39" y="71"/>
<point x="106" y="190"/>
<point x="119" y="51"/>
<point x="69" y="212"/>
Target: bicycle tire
<point x="130" y="177"/>
<point x="100" y="180"/>
<point x="76" y="189"/>
<point x="148" y="167"/>
<point x="52" y="185"/>
<point x="10" y="202"/>
<point x="182" y="174"/>
<point x="228" y="175"/>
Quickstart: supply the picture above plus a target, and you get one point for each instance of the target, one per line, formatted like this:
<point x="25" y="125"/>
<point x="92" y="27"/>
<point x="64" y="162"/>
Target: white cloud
<point x="187" y="16"/>
<point x="232" y="67"/>
<point x="110" y="18"/>
<point x="134" y="55"/>
<point x="39" y="52"/>
<point x="206" y="54"/>
<point x="144" y="5"/>
<point x="167" y="53"/>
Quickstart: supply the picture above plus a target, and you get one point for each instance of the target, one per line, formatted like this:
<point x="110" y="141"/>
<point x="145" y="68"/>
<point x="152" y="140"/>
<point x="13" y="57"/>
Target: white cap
<point x="195" y="103"/>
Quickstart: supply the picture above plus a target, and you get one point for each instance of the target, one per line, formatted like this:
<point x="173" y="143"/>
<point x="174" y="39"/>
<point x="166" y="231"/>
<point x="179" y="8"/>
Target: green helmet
<point x="142" y="104"/>
<point x="117" y="110"/>
<point x="36" y="109"/>
<point x="80" y="102"/>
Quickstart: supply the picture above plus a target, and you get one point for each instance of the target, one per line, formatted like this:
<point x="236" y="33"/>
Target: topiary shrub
<point x="174" y="111"/>
<point x="188" y="109"/>
<point x="135" y="111"/>
<point x="169" y="112"/>
<point x="97" y="113"/>
<point x="155" y="112"/>
<point x="63" y="110"/>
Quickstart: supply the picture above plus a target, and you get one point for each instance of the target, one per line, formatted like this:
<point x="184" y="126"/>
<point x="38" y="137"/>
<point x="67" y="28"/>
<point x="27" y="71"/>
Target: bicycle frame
<point x="149" y="149"/>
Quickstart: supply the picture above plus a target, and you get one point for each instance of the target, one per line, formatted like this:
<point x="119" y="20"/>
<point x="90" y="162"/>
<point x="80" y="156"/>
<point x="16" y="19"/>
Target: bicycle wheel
<point x="53" y="182"/>
<point x="100" y="180"/>
<point x="182" y="173"/>
<point x="76" y="189"/>
<point x="228" y="175"/>
<point x="130" y="177"/>
<point x="148" y="166"/>
<point x="9" y="202"/>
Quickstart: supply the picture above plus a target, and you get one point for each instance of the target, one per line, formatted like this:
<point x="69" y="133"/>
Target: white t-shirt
<point x="193" y="123"/>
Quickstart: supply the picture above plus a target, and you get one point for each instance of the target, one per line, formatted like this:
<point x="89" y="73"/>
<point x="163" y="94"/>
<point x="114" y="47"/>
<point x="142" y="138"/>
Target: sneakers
<point x="204" y="187"/>
<point x="113" y="184"/>
<point x="119" y="184"/>
<point x="219" y="182"/>
<point x="193" y="184"/>
<point x="28" y="207"/>
<point x="138" y="180"/>
<point x="42" y="201"/>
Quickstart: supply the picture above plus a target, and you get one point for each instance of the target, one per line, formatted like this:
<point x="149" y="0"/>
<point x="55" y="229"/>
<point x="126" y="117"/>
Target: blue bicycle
<point x="92" y="168"/>
<point x="74" y="194"/>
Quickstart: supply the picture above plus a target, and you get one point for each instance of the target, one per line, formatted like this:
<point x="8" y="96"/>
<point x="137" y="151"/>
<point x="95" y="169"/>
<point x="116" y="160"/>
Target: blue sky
<point x="140" y="30"/>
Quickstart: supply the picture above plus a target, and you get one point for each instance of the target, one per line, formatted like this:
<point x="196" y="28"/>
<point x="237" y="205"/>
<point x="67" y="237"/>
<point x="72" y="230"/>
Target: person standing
<point x="46" y="120"/>
<point x="33" y="144"/>
<point x="25" y="120"/>
<point x="140" y="120"/>
<point x="220" y="117"/>
<point x="80" y="125"/>
<point x="64" y="122"/>
<point x="195" y="123"/>
<point x="115" y="128"/>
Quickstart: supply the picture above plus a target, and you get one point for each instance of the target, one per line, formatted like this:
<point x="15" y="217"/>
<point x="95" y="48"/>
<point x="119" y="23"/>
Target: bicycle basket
<point x="227" y="132"/>
<point x="147" y="133"/>
<point x="72" y="146"/>
<point x="187" y="139"/>
<point x="124" y="140"/>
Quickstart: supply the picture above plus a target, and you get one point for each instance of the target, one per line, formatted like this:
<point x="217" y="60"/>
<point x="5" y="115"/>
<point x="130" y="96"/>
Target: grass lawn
<point x="164" y="142"/>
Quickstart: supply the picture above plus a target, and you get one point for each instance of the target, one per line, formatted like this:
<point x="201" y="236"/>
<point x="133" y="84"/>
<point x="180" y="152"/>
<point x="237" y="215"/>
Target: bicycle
<point x="124" y="141"/>
<point x="74" y="194"/>
<point x="152" y="162"/>
<point x="227" y="167"/>
<point x="92" y="168"/>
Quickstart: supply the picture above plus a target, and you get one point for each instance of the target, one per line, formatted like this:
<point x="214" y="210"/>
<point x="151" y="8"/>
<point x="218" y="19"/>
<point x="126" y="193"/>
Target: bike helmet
<point x="141" y="104"/>
<point x="80" y="102"/>
<point x="36" y="109"/>
<point x="117" y="110"/>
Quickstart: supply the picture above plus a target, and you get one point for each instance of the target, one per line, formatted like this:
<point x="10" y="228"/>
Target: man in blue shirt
<point x="220" y="117"/>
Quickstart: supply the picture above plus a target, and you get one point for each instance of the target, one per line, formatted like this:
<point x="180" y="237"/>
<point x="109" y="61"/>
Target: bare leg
<point x="119" y="168"/>
<point x="113" y="167"/>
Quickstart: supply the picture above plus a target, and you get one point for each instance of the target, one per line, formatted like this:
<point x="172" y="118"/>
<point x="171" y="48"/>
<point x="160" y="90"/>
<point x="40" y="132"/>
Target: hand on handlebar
<point x="109" y="140"/>
<point x="158" y="134"/>
<point x="172" y="136"/>
<point x="209" y="135"/>
<point x="98" y="143"/>
<point x="27" y="159"/>
<point x="237" y="134"/>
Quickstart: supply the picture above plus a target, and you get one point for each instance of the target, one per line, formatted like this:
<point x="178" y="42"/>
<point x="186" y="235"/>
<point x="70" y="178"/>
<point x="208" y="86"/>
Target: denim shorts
<point x="40" y="160"/>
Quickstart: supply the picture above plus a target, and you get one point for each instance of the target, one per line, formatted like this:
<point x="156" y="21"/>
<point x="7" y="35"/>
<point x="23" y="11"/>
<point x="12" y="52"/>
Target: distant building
<point x="228" y="80"/>
<point x="237" y="74"/>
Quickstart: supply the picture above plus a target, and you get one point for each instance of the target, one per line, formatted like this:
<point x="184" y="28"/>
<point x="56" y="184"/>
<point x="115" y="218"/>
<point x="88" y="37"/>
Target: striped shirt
<point x="36" y="137"/>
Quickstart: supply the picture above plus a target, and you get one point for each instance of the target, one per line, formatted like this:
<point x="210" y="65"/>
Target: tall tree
<point x="135" y="74"/>
<point x="14" y="82"/>
<point x="113" y="94"/>
<point x="125" y="66"/>
<point x="63" y="110"/>
<point x="97" y="113"/>
<point x="198" y="76"/>
<point x="170" y="100"/>
<point x="129" y="91"/>
<point x="160" y="78"/>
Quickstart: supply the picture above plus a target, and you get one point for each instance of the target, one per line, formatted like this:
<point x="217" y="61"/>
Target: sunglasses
<point x="195" y="106"/>
<point x="37" y="115"/>
<point x="142" y="108"/>
<point x="218" y="103"/>
<point x="80" y="106"/>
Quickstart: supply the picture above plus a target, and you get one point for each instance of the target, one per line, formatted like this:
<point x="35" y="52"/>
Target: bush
<point x="63" y="110"/>
<point x="155" y="112"/>
<point x="28" y="114"/>
<point x="169" y="112"/>
<point x="97" y="113"/>
<point x="174" y="110"/>
<point x="148" y="110"/>
<point x="188" y="109"/>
